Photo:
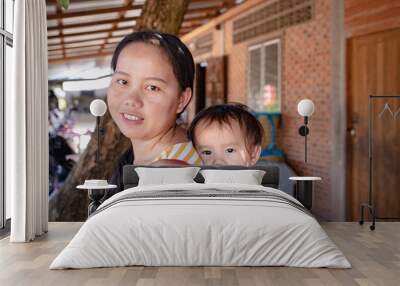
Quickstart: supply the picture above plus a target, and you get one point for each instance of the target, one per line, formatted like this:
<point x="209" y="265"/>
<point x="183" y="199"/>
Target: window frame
<point x="6" y="39"/>
<point x="262" y="46"/>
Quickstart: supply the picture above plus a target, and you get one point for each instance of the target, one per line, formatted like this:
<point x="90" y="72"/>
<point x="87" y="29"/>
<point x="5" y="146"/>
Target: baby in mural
<point x="227" y="134"/>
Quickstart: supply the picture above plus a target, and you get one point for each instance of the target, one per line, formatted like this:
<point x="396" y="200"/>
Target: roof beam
<point x="55" y="2"/>
<point x="84" y="56"/>
<point x="194" y="1"/>
<point x="94" y="12"/>
<point x="85" y="24"/>
<point x="83" y="41"/>
<point x="198" y="16"/>
<point x="191" y="23"/>
<point x="204" y="10"/>
<point x="81" y="47"/>
<point x="229" y="3"/>
<point x="60" y="31"/>
<point x="91" y="32"/>
<point x="114" y="26"/>
<point x="185" y="30"/>
<point x="202" y="17"/>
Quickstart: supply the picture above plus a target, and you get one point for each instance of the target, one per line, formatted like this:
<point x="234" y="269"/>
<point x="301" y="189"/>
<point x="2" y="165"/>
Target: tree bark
<point x="70" y="204"/>
<point x="162" y="15"/>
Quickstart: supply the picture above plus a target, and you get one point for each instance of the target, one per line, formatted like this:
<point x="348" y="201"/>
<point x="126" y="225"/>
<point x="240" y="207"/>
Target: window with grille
<point x="264" y="77"/>
<point x="276" y="15"/>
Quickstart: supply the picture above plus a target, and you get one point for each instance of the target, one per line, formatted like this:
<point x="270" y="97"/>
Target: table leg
<point x="304" y="192"/>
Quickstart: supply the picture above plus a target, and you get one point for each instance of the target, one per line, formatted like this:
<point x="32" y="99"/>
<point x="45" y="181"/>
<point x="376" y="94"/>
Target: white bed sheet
<point x="200" y="231"/>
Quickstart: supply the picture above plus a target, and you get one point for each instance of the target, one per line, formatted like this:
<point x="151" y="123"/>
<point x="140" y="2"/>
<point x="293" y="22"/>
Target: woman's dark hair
<point x="226" y="114"/>
<point x="178" y="54"/>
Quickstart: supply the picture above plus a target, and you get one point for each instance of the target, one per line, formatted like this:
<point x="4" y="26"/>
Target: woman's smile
<point x="131" y="119"/>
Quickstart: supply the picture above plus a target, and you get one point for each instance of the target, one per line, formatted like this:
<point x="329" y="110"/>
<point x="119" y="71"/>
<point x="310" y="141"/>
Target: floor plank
<point x="375" y="257"/>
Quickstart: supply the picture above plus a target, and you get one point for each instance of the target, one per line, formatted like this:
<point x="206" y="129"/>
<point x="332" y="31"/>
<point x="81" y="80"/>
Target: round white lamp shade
<point x="305" y="107"/>
<point x="98" y="107"/>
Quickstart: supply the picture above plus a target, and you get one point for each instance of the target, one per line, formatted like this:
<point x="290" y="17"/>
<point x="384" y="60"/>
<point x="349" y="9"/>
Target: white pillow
<point x="162" y="176"/>
<point x="248" y="177"/>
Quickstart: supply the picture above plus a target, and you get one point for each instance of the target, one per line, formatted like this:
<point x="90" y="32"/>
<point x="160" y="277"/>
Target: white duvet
<point x="183" y="231"/>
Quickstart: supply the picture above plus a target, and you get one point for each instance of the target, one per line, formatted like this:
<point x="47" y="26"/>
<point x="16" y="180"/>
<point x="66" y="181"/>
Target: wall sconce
<point x="98" y="108"/>
<point x="305" y="108"/>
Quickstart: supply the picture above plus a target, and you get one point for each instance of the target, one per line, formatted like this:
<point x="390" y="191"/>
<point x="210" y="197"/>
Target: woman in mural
<point x="151" y="86"/>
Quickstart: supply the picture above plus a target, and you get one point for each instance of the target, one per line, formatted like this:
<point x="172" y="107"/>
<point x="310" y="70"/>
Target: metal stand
<point x="304" y="190"/>
<point x="98" y="138"/>
<point x="96" y="194"/>
<point x="370" y="205"/>
<point x="371" y="209"/>
<point x="99" y="134"/>
<point x="96" y="197"/>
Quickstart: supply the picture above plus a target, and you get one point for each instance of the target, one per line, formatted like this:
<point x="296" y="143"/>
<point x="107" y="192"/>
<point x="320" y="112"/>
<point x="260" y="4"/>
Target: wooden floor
<point x="375" y="256"/>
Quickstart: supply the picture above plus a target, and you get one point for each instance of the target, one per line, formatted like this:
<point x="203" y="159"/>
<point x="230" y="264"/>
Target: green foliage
<point x="63" y="3"/>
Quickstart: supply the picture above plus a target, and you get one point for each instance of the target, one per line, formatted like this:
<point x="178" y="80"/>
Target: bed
<point x="201" y="224"/>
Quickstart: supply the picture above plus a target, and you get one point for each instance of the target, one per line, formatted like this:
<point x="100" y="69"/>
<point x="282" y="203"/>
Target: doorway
<point x="373" y="69"/>
<point x="211" y="85"/>
<point x="200" y="87"/>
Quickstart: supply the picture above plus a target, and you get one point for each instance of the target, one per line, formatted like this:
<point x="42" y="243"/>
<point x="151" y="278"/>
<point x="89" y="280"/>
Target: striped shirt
<point x="181" y="151"/>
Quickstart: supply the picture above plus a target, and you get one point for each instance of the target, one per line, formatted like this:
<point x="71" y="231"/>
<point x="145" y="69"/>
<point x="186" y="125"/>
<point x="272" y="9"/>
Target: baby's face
<point x="224" y="145"/>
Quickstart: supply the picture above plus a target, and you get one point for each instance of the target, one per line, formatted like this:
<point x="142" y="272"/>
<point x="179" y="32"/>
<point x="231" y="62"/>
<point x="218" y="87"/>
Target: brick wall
<point x="306" y="73"/>
<point x="237" y="66"/>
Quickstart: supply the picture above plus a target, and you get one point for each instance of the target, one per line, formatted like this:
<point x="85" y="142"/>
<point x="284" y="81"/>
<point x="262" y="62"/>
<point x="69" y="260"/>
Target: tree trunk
<point x="70" y="204"/>
<point x="162" y="15"/>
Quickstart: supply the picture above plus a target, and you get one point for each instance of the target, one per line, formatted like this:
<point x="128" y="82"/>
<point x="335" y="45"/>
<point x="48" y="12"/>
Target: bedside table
<point x="96" y="195"/>
<point x="304" y="189"/>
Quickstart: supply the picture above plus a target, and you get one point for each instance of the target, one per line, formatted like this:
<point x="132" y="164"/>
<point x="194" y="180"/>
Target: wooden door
<point x="216" y="81"/>
<point x="374" y="69"/>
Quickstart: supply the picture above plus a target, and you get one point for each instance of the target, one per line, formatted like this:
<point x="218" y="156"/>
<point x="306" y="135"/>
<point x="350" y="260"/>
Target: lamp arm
<point x="305" y="148"/>
<point x="98" y="138"/>
<point x="305" y="138"/>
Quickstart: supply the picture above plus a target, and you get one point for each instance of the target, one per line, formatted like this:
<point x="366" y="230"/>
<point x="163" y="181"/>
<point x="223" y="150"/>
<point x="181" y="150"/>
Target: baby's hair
<point x="226" y="114"/>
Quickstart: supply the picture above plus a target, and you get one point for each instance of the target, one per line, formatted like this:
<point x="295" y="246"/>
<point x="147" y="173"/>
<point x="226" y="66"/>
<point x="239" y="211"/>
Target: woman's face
<point x="144" y="95"/>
